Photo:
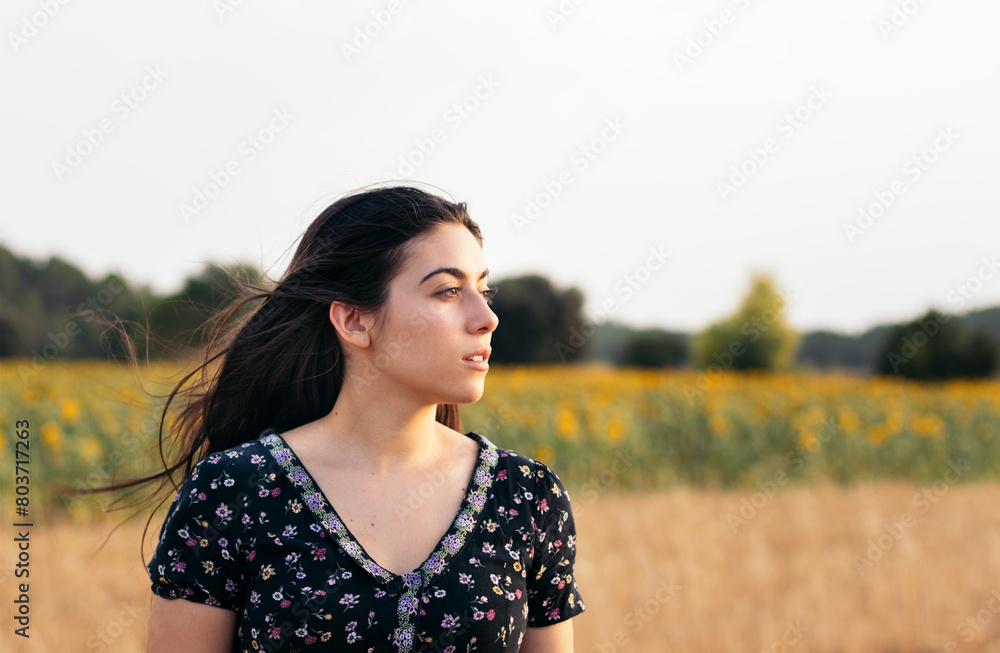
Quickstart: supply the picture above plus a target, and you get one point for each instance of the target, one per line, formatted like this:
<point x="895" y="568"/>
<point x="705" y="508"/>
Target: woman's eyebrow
<point x="455" y="272"/>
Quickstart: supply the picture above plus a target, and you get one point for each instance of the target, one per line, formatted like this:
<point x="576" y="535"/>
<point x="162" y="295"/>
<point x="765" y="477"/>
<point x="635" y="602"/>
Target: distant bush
<point x="653" y="348"/>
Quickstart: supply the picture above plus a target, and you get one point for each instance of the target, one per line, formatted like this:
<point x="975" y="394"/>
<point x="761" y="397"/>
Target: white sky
<point x="883" y="99"/>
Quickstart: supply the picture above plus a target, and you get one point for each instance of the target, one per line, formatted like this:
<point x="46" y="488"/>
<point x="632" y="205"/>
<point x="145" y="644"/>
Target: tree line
<point x="47" y="310"/>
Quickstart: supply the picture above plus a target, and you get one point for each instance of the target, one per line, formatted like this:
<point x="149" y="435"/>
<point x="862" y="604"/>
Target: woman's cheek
<point x="418" y="321"/>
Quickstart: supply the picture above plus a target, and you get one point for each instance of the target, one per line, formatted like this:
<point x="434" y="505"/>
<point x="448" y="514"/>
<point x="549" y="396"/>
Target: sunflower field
<point x="598" y="428"/>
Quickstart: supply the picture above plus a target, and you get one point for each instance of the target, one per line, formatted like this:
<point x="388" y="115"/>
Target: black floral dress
<point x="250" y="531"/>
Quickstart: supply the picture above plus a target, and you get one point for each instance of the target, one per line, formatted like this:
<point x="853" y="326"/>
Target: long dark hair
<point x="272" y="357"/>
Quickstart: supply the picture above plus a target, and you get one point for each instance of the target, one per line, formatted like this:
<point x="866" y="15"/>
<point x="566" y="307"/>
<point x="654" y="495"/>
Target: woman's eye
<point x="488" y="293"/>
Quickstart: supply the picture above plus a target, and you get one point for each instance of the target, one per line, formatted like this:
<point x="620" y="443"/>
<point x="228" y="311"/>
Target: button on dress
<point x="249" y="530"/>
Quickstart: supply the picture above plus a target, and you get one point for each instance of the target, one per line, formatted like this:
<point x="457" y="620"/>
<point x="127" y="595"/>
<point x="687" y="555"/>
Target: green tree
<point x="756" y="336"/>
<point x="936" y="347"/>
<point x="538" y="323"/>
<point x="180" y="319"/>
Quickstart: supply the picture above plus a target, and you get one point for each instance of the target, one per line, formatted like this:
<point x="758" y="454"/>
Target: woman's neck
<point x="381" y="431"/>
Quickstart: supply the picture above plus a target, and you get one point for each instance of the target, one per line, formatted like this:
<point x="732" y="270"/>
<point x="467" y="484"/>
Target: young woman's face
<point x="437" y="318"/>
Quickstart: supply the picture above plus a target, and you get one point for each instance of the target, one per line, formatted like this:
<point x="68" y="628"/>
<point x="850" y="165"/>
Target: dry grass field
<point x="658" y="572"/>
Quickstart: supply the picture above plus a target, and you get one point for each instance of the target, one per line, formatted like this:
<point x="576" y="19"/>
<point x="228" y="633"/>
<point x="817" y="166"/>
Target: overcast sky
<point x="850" y="148"/>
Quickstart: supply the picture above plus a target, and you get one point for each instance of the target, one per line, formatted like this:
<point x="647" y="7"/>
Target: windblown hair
<point x="272" y="357"/>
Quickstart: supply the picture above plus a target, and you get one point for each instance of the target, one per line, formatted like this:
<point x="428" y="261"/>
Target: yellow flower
<point x="616" y="429"/>
<point x="69" y="410"/>
<point x="877" y="433"/>
<point x="808" y="440"/>
<point x="51" y="435"/>
<point x="90" y="448"/>
<point x="566" y="423"/>
<point x="848" y="421"/>
<point x="929" y="425"/>
<point x="718" y="424"/>
<point x="267" y="572"/>
<point x="894" y="421"/>
<point x="497" y="590"/>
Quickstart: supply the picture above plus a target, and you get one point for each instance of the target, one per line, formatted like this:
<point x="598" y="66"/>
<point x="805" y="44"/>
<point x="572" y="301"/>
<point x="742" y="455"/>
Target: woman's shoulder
<point x="518" y="466"/>
<point x="510" y="457"/>
<point x="236" y="460"/>
<point x="240" y="452"/>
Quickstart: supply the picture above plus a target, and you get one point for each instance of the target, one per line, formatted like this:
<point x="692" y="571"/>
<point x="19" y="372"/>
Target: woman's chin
<point x="469" y="395"/>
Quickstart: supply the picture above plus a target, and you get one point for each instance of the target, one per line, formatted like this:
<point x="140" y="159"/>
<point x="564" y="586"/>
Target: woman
<point x="336" y="503"/>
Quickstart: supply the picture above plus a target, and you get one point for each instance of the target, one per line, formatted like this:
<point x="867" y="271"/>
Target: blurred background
<point x="748" y="259"/>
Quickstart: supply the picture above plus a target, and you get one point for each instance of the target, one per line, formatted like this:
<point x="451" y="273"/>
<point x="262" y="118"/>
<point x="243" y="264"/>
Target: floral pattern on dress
<point x="250" y="531"/>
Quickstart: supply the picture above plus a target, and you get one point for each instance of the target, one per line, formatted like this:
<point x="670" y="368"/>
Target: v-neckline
<point x="322" y="509"/>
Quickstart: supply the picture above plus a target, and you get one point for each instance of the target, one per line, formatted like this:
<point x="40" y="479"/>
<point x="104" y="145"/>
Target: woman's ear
<point x="353" y="325"/>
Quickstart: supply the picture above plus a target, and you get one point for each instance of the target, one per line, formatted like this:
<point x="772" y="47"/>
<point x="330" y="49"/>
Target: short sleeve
<point x="552" y="592"/>
<point x="198" y="555"/>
